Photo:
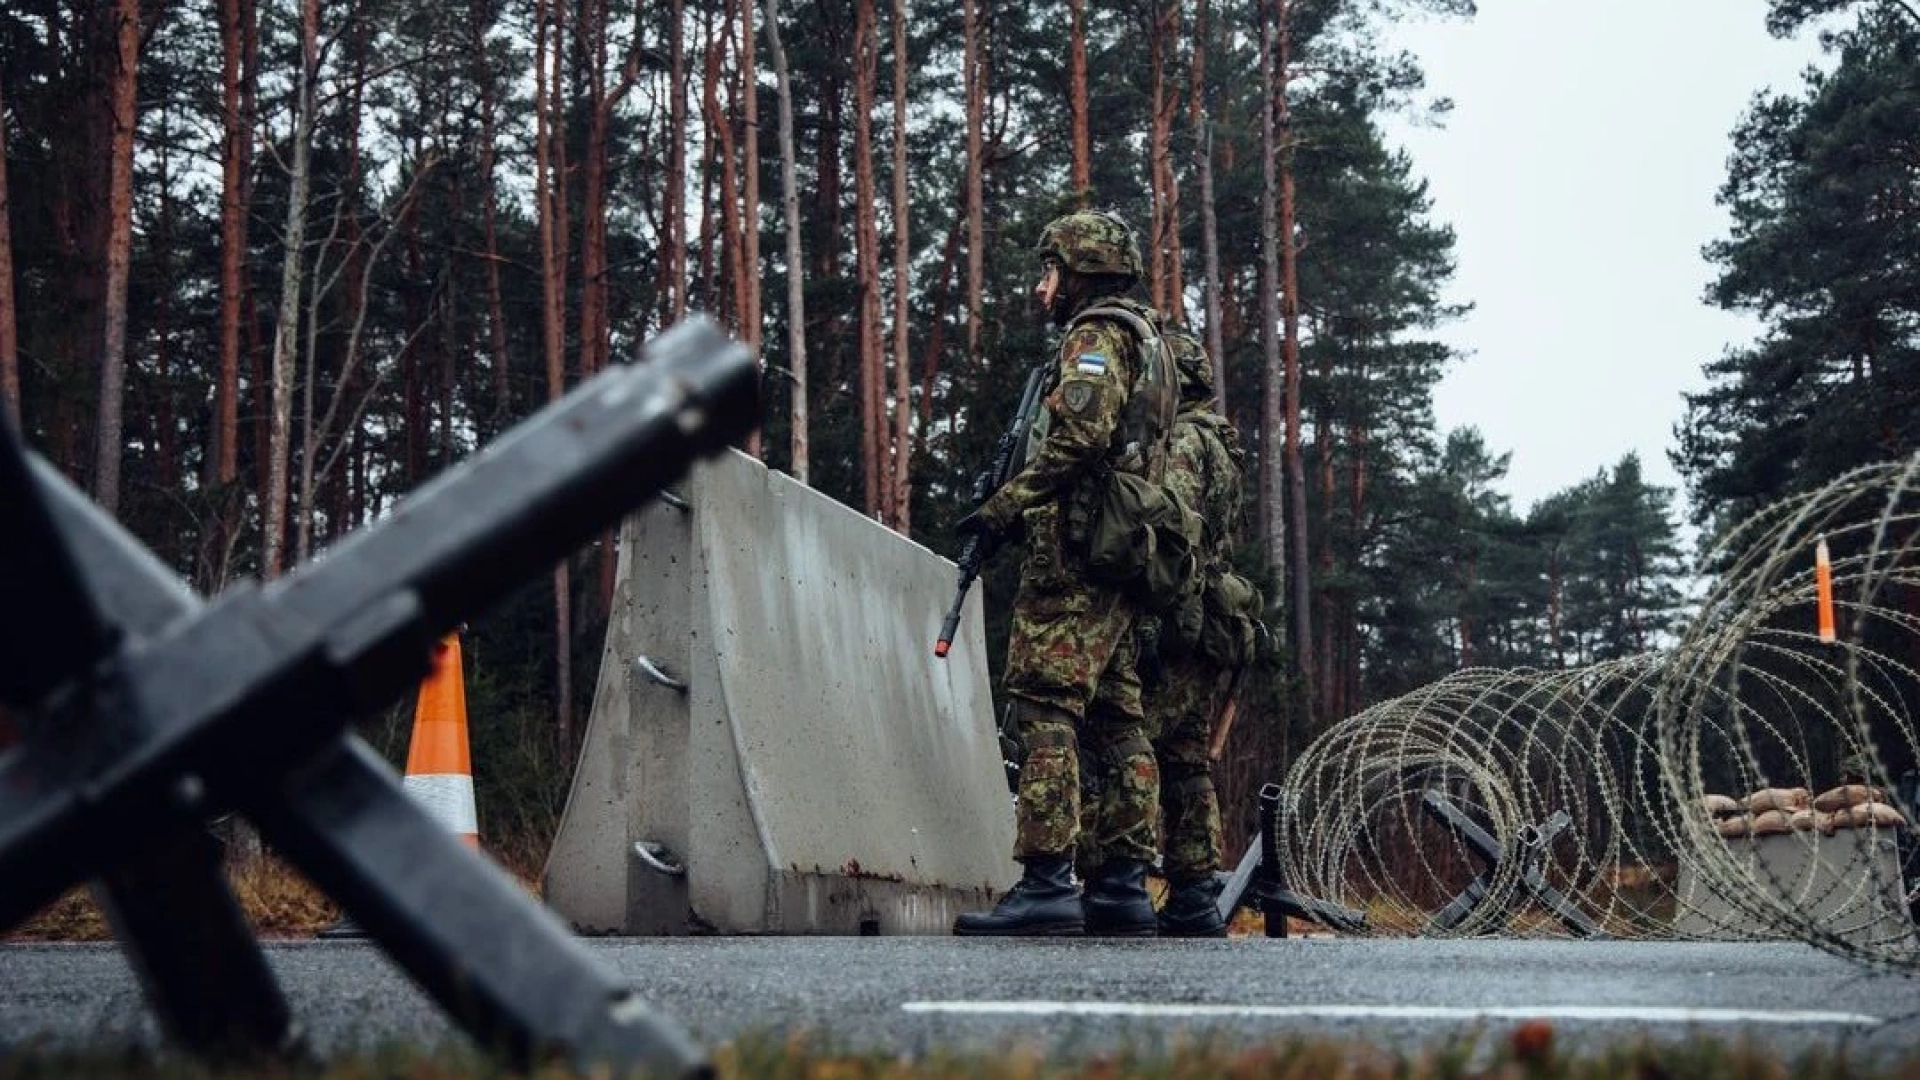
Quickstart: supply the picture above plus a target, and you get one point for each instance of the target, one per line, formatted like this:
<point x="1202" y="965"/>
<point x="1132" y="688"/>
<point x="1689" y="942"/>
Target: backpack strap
<point x="1155" y="399"/>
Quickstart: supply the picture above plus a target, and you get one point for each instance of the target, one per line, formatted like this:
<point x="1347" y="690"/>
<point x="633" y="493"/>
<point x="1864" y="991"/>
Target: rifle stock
<point x="1223" y="725"/>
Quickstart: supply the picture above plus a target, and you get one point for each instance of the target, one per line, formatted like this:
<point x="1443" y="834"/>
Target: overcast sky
<point x="1579" y="170"/>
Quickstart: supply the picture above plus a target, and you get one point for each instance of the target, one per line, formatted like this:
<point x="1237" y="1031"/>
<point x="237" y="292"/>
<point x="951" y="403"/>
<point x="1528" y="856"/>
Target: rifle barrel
<point x="950" y="626"/>
<point x="969" y="562"/>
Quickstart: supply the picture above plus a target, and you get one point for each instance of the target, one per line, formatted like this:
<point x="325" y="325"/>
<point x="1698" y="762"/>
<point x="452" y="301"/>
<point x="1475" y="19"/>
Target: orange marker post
<point x="1823" y="588"/>
<point x="439" y="771"/>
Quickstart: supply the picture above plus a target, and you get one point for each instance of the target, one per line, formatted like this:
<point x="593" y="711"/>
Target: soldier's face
<point x="1047" y="291"/>
<point x="1049" y="285"/>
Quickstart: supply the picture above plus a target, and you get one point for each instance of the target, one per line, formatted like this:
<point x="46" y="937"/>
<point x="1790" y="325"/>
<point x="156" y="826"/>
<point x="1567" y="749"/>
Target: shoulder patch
<point x="1077" y="396"/>
<point x="1085" y="339"/>
<point x="1092" y="363"/>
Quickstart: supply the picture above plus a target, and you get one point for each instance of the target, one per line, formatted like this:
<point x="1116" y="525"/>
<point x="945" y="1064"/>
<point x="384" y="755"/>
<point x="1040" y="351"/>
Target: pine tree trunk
<point x="258" y="353"/>
<point x="1349" y="678"/>
<point x="726" y="155"/>
<point x="824" y="214"/>
<point x="592" y="40"/>
<point x="976" y="228"/>
<point x="595" y="330"/>
<point x="752" y="316"/>
<point x="1300" y="624"/>
<point x="1157" y="159"/>
<point x="902" y="281"/>
<point x="549" y="193"/>
<point x="9" y="320"/>
<point x="1163" y="261"/>
<point x="1272" y="531"/>
<point x="1323" y="597"/>
<point x="673" y="244"/>
<point x="937" y="332"/>
<point x="706" y="292"/>
<point x="790" y="209"/>
<point x="1176" y="258"/>
<point x="286" y="330"/>
<point x="236" y="164"/>
<point x="1077" y="101"/>
<point x="490" y="217"/>
<point x="119" y="256"/>
<point x="867" y="264"/>
<point x="1209" y="219"/>
<point x="165" y="245"/>
<point x="78" y="202"/>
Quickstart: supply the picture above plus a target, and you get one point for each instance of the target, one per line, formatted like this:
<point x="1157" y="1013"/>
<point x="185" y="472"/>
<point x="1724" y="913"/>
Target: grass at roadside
<point x="1526" y="1052"/>
<point x="278" y="901"/>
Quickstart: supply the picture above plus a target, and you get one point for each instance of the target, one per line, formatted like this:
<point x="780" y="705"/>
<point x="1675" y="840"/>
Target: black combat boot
<point x="1192" y="909"/>
<point x="1117" y="903"/>
<point x="1043" y="903"/>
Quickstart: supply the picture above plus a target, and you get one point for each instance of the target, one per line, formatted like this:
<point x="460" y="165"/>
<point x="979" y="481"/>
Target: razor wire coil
<point x="1608" y="785"/>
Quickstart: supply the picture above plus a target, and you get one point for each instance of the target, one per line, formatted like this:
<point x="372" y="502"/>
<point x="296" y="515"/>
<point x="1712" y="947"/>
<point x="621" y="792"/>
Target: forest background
<point x="266" y="268"/>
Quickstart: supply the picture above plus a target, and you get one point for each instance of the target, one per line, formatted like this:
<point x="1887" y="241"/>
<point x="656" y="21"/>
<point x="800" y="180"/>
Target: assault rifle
<point x="1007" y="459"/>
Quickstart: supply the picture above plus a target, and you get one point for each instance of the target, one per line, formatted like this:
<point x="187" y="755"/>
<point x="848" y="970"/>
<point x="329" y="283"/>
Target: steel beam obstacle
<point x="1259" y="883"/>
<point x="1531" y="845"/>
<point x="145" y="711"/>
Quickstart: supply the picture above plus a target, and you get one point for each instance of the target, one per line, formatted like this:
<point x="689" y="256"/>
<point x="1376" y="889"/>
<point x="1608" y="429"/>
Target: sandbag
<point x="1847" y="795"/>
<point x="1721" y="806"/>
<point x="1869" y="815"/>
<point x="1787" y="799"/>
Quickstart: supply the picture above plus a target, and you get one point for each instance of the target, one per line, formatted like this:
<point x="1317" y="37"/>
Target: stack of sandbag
<point x="1776" y="811"/>
<point x="1855" y="806"/>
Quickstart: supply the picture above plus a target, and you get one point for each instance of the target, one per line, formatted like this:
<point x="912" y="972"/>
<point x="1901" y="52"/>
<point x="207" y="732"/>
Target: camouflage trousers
<point x="1181" y="709"/>
<point x="1071" y="659"/>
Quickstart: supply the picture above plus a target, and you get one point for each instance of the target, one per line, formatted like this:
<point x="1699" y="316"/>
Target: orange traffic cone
<point x="439" y="772"/>
<point x="1823" y="588"/>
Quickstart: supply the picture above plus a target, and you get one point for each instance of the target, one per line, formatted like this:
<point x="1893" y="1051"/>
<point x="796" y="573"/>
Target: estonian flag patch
<point x="1092" y="363"/>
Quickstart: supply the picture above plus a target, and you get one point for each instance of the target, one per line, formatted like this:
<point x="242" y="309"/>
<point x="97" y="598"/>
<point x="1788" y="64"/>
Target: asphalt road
<point x="1075" y="998"/>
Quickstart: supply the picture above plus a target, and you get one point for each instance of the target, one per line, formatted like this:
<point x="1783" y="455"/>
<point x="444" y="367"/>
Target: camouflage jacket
<point x="1205" y="470"/>
<point x="1098" y="364"/>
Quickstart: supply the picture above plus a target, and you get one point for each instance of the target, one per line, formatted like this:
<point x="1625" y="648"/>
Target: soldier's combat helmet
<point x="1092" y="242"/>
<point x="1196" y="371"/>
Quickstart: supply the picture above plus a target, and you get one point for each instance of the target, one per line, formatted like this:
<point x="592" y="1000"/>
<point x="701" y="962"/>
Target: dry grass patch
<point x="73" y="917"/>
<point x="278" y="901"/>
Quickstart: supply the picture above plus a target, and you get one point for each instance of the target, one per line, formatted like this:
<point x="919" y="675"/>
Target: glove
<point x="988" y="521"/>
<point x="974" y="525"/>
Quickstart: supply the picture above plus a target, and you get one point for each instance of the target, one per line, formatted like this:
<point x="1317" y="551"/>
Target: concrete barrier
<point x="773" y="746"/>
<point x="1848" y="884"/>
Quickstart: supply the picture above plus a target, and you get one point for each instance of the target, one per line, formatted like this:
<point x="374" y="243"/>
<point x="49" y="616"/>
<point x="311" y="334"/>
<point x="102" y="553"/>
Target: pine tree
<point x="1824" y="226"/>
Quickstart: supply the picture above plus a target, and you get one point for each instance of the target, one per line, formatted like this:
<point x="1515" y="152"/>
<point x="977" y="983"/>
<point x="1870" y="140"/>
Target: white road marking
<point x="1601" y="1013"/>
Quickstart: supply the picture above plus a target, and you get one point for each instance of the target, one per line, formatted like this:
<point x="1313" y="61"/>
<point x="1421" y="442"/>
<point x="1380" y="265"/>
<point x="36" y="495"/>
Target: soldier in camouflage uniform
<point x="1071" y="654"/>
<point x="1205" y="469"/>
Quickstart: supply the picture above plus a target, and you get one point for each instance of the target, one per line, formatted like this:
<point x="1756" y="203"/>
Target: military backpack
<point x="1140" y="536"/>
<point x="1218" y="617"/>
